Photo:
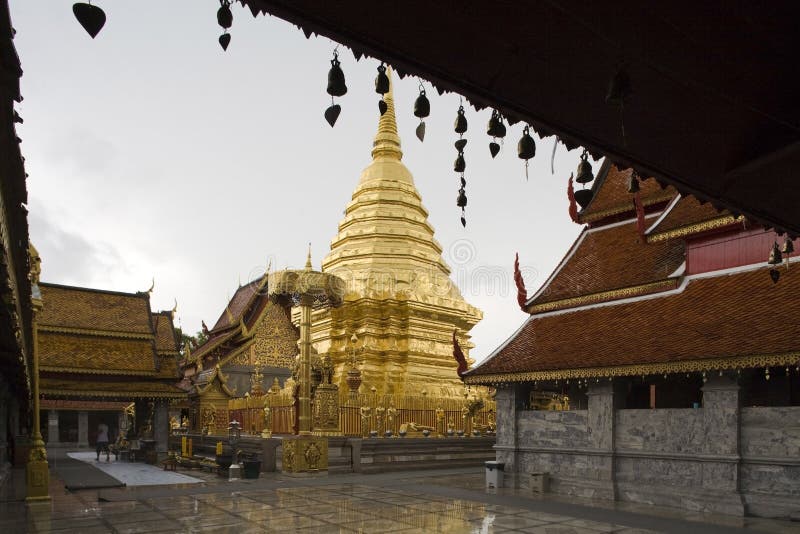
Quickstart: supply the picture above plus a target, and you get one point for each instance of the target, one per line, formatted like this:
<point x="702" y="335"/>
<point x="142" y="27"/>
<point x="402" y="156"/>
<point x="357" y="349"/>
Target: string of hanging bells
<point x="776" y="257"/>
<point x="422" y="108"/>
<point x="336" y="88"/>
<point x="460" y="164"/>
<point x="382" y="87"/>
<point x="225" y="20"/>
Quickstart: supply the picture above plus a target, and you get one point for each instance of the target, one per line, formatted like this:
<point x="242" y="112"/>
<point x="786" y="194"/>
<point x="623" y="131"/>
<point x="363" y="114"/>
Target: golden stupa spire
<point x="387" y="140"/>
<point x="309" y="267"/>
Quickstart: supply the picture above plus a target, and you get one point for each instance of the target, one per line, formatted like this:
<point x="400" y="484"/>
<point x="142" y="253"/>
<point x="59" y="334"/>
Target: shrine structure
<point x="399" y="300"/>
<point x="101" y="352"/>
<point x="677" y="347"/>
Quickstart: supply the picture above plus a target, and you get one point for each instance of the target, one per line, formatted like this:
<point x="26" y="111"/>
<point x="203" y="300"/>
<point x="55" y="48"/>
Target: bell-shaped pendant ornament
<point x="494" y="149"/>
<point x="91" y="18"/>
<point x="381" y="81"/>
<point x="775" y="275"/>
<point x="775" y="254"/>
<point x="336" y="84"/>
<point x="422" y="106"/>
<point x="460" y="144"/>
<point x="224" y="14"/>
<point x="461" y="201"/>
<point x="461" y="121"/>
<point x="584" y="174"/>
<point x="788" y="247"/>
<point x="526" y="148"/>
<point x="382" y="107"/>
<point x="619" y="88"/>
<point x="492" y="126"/>
<point x="633" y="183"/>
<point x="332" y="113"/>
<point x="420" y="131"/>
<point x="460" y="165"/>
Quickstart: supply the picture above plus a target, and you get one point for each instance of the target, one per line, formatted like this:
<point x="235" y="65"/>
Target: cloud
<point x="70" y="256"/>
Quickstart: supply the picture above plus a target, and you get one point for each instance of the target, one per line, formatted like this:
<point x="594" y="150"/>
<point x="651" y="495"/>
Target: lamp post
<point x="234" y="433"/>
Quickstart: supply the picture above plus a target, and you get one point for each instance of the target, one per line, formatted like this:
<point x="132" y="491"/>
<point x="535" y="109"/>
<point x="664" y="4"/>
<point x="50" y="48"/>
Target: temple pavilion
<point x="399" y="301"/>
<point x="105" y="356"/>
<point x="252" y="344"/>
<point x="676" y="351"/>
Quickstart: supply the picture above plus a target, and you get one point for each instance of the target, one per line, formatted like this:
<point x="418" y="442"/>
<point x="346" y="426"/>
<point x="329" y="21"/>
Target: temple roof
<point x="166" y="339"/>
<point x="94" y="309"/>
<point x="238" y="304"/>
<point x="95" y="355"/>
<point x="130" y="389"/>
<point x="697" y="327"/>
<point x="611" y="198"/>
<point x="685" y="216"/>
<point x="605" y="259"/>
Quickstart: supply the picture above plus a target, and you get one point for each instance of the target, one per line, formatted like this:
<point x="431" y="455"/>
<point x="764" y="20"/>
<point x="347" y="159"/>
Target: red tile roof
<point x="741" y="315"/>
<point x="611" y="197"/>
<point x="94" y="309"/>
<point x="238" y="305"/>
<point x="609" y="258"/>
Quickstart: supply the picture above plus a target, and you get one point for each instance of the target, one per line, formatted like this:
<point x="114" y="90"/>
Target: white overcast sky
<point x="154" y="154"/>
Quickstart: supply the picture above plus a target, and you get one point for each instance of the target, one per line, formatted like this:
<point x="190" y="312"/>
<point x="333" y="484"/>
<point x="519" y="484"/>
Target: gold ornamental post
<point x="305" y="289"/>
<point x="37" y="471"/>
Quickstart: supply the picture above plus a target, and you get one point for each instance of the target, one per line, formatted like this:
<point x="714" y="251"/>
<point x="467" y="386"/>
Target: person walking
<point x="102" y="441"/>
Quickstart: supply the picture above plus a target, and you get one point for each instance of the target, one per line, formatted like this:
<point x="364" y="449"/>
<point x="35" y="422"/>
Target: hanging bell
<point x="526" y="148"/>
<point x="422" y="106"/>
<point x="461" y="201"/>
<point x="336" y="85"/>
<point x="381" y="81"/>
<point x="460" y="165"/>
<point x="775" y="254"/>
<point x="461" y="121"/>
<point x="584" y="174"/>
<point x="633" y="183"/>
<point x="788" y="247"/>
<point x="91" y="18"/>
<point x="224" y="14"/>
<point x="619" y="88"/>
<point x="496" y="128"/>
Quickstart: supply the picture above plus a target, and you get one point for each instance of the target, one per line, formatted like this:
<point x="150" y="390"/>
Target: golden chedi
<point x="399" y="299"/>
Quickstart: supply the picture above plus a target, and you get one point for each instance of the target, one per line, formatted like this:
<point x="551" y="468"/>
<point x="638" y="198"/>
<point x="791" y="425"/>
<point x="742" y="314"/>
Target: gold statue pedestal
<point x="305" y="455"/>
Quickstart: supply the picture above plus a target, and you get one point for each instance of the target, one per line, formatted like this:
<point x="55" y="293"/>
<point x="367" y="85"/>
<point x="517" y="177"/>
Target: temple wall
<point x="719" y="458"/>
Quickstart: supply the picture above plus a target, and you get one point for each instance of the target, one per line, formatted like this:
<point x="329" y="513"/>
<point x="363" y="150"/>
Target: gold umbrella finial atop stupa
<point x="309" y="267"/>
<point x="387" y="140"/>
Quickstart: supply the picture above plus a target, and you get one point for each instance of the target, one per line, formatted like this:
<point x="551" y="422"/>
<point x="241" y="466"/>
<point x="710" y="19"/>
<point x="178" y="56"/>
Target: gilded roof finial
<point x="174" y="310"/>
<point x="308" y="259"/>
<point x="387" y="140"/>
<point x="152" y="287"/>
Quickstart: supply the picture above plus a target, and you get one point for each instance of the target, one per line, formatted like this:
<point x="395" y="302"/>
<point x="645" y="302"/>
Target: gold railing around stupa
<point x="380" y="413"/>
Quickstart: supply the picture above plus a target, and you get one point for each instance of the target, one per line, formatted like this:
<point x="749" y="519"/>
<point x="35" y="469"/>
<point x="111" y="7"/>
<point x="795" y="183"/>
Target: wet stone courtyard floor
<point x="453" y="500"/>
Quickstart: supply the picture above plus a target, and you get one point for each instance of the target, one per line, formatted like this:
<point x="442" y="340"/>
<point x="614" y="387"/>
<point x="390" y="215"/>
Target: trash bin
<point x="494" y="474"/>
<point x="251" y="468"/>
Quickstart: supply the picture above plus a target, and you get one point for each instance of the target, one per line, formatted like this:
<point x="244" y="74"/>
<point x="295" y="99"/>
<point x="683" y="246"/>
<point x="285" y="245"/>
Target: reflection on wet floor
<point x="408" y="503"/>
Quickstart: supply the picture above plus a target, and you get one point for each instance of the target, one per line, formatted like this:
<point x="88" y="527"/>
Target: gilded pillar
<point x="304" y="393"/>
<point x="37" y="470"/>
